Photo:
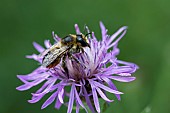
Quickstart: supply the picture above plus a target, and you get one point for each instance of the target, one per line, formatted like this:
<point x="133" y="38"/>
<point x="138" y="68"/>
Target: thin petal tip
<point x="75" y="25"/>
<point x="34" y="43"/>
<point x="20" y="88"/>
<point x="43" y="107"/>
<point x="101" y="23"/>
<point x="17" y="88"/>
<point x="125" y="27"/>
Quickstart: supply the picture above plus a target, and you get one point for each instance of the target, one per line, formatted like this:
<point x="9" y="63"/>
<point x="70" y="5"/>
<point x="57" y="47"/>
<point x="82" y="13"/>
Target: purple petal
<point x="103" y="95"/>
<point x="134" y="66"/>
<point x="95" y="98"/>
<point x="49" y="100"/>
<point x="77" y="107"/>
<point x="88" y="101"/>
<point x="122" y="29"/>
<point x="37" y="98"/>
<point x="97" y="84"/>
<point x="77" y="29"/>
<point x="38" y="47"/>
<point x="122" y="78"/>
<point x="111" y="85"/>
<point x="21" y="78"/>
<point x="47" y="43"/>
<point x="29" y="85"/>
<point x="24" y="87"/>
<point x="112" y="55"/>
<point x="117" y="40"/>
<point x="55" y="37"/>
<point x="42" y="88"/>
<point x="58" y="85"/>
<point x="103" y="30"/>
<point x="94" y="37"/>
<point x="36" y="82"/>
<point x="58" y="104"/>
<point x="40" y="70"/>
<point x="32" y="76"/>
<point x="124" y="74"/>
<point x="71" y="100"/>
<point x="48" y="88"/>
<point x="79" y="100"/>
<point x="34" y="56"/>
<point x="117" y="70"/>
<point x="60" y="94"/>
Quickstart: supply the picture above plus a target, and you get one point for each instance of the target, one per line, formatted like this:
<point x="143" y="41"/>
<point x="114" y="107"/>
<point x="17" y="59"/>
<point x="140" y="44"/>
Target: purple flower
<point x="89" y="81"/>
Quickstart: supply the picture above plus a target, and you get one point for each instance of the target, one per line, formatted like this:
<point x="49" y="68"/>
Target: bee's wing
<point x="57" y="45"/>
<point x="52" y="55"/>
<point x="44" y="52"/>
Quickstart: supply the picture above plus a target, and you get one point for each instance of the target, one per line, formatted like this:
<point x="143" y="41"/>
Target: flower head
<point x="89" y="80"/>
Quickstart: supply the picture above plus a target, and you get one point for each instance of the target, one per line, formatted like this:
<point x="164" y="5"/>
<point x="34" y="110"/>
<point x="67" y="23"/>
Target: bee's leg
<point x="75" y="59"/>
<point x="70" y="56"/>
<point x="64" y="66"/>
<point x="82" y="50"/>
<point x="79" y="50"/>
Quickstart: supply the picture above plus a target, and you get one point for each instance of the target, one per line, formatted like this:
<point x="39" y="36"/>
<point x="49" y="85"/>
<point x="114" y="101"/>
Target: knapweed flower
<point x="88" y="81"/>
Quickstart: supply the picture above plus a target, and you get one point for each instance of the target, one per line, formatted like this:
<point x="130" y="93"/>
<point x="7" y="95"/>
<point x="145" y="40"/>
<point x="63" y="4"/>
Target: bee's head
<point x="82" y="40"/>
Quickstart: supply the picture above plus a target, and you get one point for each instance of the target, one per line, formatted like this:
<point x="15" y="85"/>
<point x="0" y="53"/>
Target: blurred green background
<point x="147" y="43"/>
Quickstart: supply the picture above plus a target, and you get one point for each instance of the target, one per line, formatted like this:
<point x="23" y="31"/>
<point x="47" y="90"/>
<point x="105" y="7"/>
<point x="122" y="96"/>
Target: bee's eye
<point x="81" y="41"/>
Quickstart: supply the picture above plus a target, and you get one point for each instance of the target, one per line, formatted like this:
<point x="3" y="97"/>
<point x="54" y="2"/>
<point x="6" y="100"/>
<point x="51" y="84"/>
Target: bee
<point x="67" y="46"/>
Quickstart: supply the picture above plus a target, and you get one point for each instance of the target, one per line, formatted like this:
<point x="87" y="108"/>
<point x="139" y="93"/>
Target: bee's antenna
<point x="88" y="34"/>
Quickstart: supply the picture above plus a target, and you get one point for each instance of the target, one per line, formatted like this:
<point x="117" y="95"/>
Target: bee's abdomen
<point x="54" y="63"/>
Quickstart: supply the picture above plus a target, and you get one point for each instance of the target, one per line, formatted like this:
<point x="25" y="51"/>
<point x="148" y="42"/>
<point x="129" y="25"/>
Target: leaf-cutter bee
<point x="65" y="47"/>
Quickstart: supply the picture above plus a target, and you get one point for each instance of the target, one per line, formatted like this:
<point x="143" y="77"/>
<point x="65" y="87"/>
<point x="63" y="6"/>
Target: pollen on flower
<point x="87" y="73"/>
